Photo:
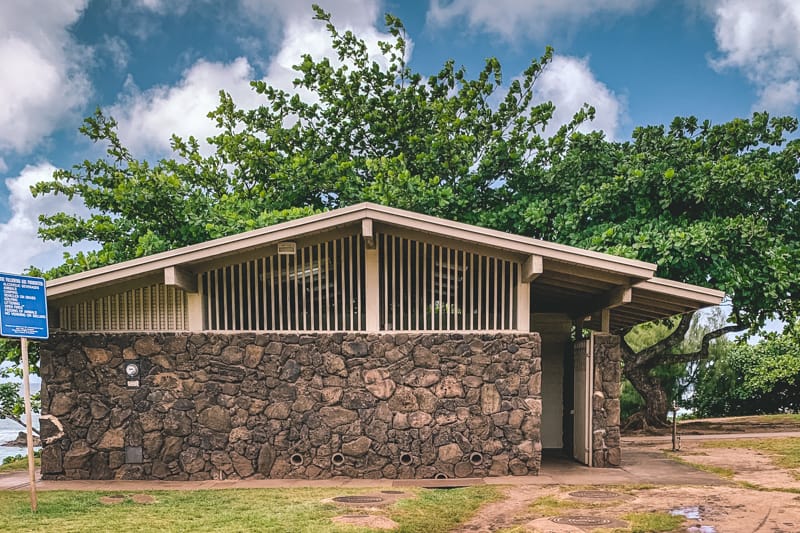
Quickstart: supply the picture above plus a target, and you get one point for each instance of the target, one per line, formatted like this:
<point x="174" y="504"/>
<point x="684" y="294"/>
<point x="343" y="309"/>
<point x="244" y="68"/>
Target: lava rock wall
<point x="318" y="405"/>
<point x="606" y="400"/>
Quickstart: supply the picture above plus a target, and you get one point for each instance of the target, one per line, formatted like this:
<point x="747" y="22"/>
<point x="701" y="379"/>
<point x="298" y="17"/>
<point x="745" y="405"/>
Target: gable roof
<point x="566" y="275"/>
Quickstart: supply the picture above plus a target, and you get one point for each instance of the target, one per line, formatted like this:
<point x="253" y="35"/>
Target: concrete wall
<point x="284" y="405"/>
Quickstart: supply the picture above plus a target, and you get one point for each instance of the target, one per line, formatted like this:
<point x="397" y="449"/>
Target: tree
<point x="713" y="205"/>
<point x="11" y="402"/>
<point x="709" y="204"/>
<point x="366" y="130"/>
<point x="752" y="379"/>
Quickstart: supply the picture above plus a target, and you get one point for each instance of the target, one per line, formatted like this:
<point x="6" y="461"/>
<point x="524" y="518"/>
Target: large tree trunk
<point x="637" y="367"/>
<point x="656" y="408"/>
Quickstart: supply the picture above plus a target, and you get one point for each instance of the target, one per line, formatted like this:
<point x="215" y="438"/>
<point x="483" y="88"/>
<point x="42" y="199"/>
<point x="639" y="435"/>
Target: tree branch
<point x="649" y="355"/>
<point x="702" y="352"/>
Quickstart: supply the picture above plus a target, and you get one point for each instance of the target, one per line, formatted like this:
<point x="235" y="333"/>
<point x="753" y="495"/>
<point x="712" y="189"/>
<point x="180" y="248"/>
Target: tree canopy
<point x="710" y="204"/>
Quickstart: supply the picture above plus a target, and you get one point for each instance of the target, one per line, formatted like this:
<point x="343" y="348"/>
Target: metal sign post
<point x="23" y="314"/>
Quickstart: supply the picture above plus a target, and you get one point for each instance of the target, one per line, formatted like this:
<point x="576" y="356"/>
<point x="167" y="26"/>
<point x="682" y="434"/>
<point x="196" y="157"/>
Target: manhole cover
<point x="595" y="494"/>
<point x="358" y="499"/>
<point x="581" y="520"/>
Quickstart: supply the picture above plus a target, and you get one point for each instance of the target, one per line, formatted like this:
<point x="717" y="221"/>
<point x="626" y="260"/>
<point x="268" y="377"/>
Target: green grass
<point x="654" y="522"/>
<point x="786" y="450"/>
<point x="552" y="506"/>
<point x="18" y="464"/>
<point x="720" y="471"/>
<point x="299" y="510"/>
<point x="441" y="510"/>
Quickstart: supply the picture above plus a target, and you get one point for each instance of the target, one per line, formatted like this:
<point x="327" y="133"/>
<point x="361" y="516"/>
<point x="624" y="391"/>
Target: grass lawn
<point x="296" y="510"/>
<point x="786" y="450"/>
<point x="18" y="464"/>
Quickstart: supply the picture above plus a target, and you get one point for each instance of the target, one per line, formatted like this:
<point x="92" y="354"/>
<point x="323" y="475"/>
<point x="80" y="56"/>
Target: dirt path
<point x="506" y="513"/>
<point x="732" y="508"/>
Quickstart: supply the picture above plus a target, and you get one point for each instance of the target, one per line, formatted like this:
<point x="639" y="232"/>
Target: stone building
<point x="364" y="342"/>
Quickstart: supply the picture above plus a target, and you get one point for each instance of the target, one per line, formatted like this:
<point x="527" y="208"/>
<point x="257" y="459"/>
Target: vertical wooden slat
<point x="224" y="281"/>
<point x="264" y="304"/>
<point x="272" y="319"/>
<point x="319" y="285"/>
<point x="279" y="278"/>
<point x="502" y="294"/>
<point x="288" y="293"/>
<point x="296" y="293"/>
<point x="351" y="244"/>
<point x="360" y="302"/>
<point x="249" y="298"/>
<point x="312" y="294"/>
<point x="439" y="288"/>
<point x="449" y="306"/>
<point x="327" y="288"/>
<point x="419" y="277"/>
<point x="409" y="325"/>
<point x="385" y="272"/>
<point x="479" y="295"/>
<point x="425" y="273"/>
<point x="496" y="296"/>
<point x="336" y="302"/>
<point x="464" y="290"/>
<point x="302" y="295"/>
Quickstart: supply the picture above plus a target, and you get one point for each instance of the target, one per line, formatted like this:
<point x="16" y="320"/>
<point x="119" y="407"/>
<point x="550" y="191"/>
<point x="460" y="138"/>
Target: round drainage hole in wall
<point x="296" y="459"/>
<point x="337" y="459"/>
<point x="581" y="520"/>
<point x="595" y="494"/>
<point x="476" y="459"/>
<point x="358" y="499"/>
<point x="406" y="459"/>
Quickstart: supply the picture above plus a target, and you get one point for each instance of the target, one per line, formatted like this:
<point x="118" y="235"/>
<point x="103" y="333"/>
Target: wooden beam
<point x="532" y="268"/>
<point x="608" y="300"/>
<point x="180" y="278"/>
<point x="367" y="233"/>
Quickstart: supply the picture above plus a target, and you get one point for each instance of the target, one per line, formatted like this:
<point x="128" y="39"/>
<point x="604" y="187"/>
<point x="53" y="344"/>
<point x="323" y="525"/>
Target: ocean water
<point x="10" y="429"/>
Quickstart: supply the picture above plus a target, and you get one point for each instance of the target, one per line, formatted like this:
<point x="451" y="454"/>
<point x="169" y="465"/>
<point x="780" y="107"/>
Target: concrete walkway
<point x="640" y="466"/>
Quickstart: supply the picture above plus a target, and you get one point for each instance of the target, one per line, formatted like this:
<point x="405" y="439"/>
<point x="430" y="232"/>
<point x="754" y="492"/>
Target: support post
<point x="26" y="385"/>
<point x="605" y="321"/>
<point x="373" y="295"/>
<point x="523" y="306"/>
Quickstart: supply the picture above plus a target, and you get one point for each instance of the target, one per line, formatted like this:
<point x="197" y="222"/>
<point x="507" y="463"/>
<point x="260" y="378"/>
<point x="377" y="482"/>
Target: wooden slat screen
<point x="432" y="287"/>
<point x="154" y="308"/>
<point x="319" y="288"/>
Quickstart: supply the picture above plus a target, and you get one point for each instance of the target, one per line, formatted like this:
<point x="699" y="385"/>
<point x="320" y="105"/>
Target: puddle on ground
<point x="694" y="513"/>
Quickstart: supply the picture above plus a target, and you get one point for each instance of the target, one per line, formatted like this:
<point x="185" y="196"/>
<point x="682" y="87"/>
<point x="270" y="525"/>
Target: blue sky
<point x="157" y="65"/>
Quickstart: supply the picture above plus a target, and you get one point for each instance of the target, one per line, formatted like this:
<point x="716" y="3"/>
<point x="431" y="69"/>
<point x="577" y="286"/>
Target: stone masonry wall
<point x="605" y="401"/>
<point x="215" y="406"/>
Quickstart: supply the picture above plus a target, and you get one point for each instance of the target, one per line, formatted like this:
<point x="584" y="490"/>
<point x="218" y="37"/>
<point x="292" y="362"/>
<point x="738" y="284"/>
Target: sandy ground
<point x="732" y="508"/>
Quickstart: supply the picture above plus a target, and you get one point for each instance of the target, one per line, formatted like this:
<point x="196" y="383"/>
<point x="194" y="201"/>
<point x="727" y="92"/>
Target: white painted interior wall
<point x="555" y="333"/>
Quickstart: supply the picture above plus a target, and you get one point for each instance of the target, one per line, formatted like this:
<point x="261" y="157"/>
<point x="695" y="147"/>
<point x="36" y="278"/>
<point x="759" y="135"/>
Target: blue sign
<point x="23" y="307"/>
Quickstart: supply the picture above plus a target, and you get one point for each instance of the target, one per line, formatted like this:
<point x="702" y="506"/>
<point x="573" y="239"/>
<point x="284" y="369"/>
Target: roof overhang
<point x="564" y="278"/>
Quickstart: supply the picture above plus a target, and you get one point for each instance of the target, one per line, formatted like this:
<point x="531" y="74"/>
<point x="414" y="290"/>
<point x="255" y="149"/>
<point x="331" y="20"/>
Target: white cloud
<point x="762" y="40"/>
<point x="44" y="82"/>
<point x="569" y="83"/>
<point x="163" y="6"/>
<point x="148" y="118"/>
<point x="515" y="19"/>
<point x="117" y="51"/>
<point x="18" y="235"/>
